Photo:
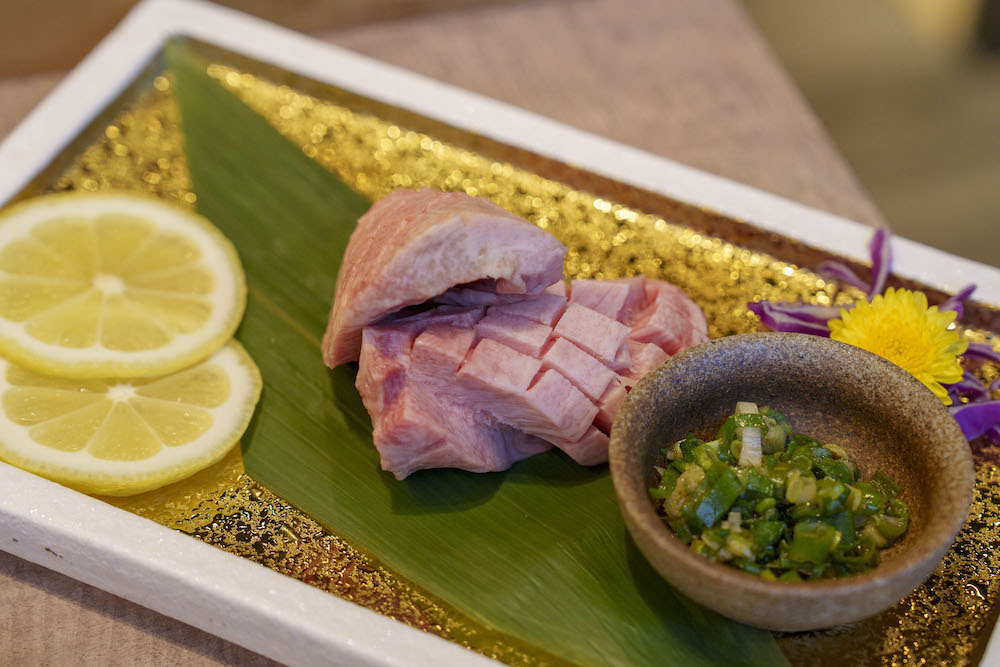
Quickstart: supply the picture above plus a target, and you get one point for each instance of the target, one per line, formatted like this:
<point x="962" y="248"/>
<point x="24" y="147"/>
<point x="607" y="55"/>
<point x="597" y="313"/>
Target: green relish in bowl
<point x="767" y="500"/>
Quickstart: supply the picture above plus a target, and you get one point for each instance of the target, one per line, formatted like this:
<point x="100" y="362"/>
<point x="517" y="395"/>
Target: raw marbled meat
<point x="414" y="245"/>
<point x="469" y="381"/>
<point x="473" y="353"/>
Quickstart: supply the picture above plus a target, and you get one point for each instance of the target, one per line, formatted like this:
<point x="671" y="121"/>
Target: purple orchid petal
<point x="982" y="351"/>
<point x="881" y="260"/>
<point x="995" y="385"/>
<point x="835" y="270"/>
<point x="969" y="386"/>
<point x="977" y="418"/>
<point x="993" y="434"/>
<point x="956" y="302"/>
<point x="795" y="317"/>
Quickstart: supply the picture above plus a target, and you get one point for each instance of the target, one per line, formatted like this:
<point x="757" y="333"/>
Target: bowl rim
<point x="640" y="516"/>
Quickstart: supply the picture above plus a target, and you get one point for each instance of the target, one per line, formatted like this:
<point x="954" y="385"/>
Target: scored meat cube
<point x="381" y="370"/>
<point x="406" y="424"/>
<point x="390" y="341"/>
<point x="441" y="349"/>
<point x="518" y="333"/>
<point x="610" y="403"/>
<point x="545" y="308"/>
<point x="612" y="298"/>
<point x="590" y="449"/>
<point x="416" y="433"/>
<point x="586" y="373"/>
<point x="563" y="411"/>
<point x="671" y="320"/>
<point x="499" y="368"/>
<point x="644" y="358"/>
<point x="597" y="334"/>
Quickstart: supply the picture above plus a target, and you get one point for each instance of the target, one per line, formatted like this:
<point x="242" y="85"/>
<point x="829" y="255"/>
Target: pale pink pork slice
<point x="585" y="371"/>
<point x="599" y="335"/>
<point x="412" y="246"/>
<point x="617" y="299"/>
<point x="451" y="386"/>
<point x="670" y="319"/>
<point x="513" y="389"/>
<point x="417" y="421"/>
<point x="514" y="331"/>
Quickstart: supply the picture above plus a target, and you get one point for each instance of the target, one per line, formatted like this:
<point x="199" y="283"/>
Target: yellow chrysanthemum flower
<point x="899" y="326"/>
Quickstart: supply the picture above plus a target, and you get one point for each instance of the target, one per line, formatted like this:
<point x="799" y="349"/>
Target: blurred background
<point x="908" y="90"/>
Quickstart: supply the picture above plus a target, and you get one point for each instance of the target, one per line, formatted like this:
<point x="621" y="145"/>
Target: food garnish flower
<point x="899" y="326"/>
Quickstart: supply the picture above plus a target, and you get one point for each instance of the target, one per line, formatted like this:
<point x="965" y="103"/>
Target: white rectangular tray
<point x="231" y="597"/>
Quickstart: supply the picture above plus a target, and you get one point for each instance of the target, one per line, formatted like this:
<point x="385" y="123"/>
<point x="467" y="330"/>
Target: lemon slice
<point x="114" y="285"/>
<point x="121" y="437"/>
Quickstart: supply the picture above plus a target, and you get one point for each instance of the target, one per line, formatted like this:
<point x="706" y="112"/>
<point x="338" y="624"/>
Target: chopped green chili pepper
<point x="870" y="500"/>
<point x="766" y="534"/>
<point x="704" y="456"/>
<point x="843" y="522"/>
<point x="778" y="417"/>
<point x="687" y="447"/>
<point x="679" y="526"/>
<point x="833" y="469"/>
<point x="800" y="514"/>
<point x="831" y="496"/>
<point x="710" y="506"/>
<point x="667" y="483"/>
<point x="765" y="505"/>
<point x="812" y="542"/>
<point x="757" y="485"/>
<point x="882" y="482"/>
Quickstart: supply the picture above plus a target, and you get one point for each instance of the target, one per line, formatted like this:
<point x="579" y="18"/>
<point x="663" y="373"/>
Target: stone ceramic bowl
<point x="837" y="393"/>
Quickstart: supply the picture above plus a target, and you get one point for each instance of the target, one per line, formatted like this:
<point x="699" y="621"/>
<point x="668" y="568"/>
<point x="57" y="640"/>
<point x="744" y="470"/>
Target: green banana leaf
<point x="539" y="552"/>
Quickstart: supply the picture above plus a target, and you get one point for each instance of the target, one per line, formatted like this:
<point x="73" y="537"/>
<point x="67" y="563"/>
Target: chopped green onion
<point x="686" y="484"/>
<point x="890" y="527"/>
<point x="750" y="450"/>
<point x="764" y="505"/>
<point x="774" y="439"/>
<point x="800" y="488"/>
<point x="779" y="504"/>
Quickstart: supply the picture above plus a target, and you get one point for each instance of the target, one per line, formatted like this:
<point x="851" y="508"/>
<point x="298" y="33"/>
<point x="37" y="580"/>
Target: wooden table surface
<point x="691" y="81"/>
